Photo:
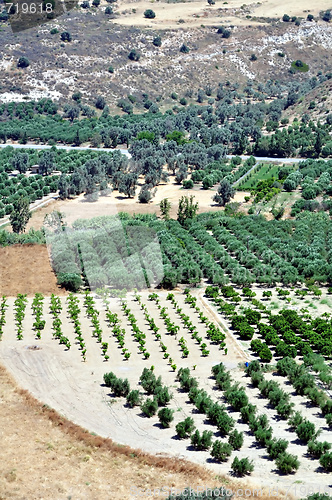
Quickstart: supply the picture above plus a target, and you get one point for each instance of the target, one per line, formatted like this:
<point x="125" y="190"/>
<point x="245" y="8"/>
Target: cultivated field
<point x="61" y="378"/>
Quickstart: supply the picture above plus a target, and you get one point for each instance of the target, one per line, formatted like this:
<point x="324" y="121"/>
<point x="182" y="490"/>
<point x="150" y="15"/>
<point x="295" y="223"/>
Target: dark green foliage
<point x="134" y="55"/>
<point x="134" y="398"/>
<point x="185" y="428"/>
<point x="149" y="381"/>
<point x="162" y="395"/>
<point x="318" y="448"/>
<point x="149" y="407"/>
<point x="70" y="281"/>
<point x="184" y="49"/>
<point x="243" y="466"/>
<point x="201" y="441"/>
<point x="221" y="451"/>
<point x="119" y="386"/>
<point x="157" y="41"/>
<point x="248" y="412"/>
<point x="20" y="215"/>
<point x="235" y="439"/>
<point x="23" y="62"/>
<point x="287" y="463"/>
<point x="66" y="36"/>
<point x="276" y="447"/>
<point x="149" y="14"/>
<point x="236" y="397"/>
<point x="306" y="431"/>
<point x="166" y="416"/>
<point x="326" y="461"/>
<point x="224" y="193"/>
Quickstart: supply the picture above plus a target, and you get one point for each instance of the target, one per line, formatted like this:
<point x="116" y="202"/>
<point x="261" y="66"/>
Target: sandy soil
<point x="61" y="380"/>
<point x="197" y="12"/>
<point x="115" y="203"/>
<point x="26" y="269"/>
<point x="61" y="461"/>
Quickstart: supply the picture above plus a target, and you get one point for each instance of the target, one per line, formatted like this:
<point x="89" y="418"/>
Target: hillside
<point x="57" y="69"/>
<point x="317" y="104"/>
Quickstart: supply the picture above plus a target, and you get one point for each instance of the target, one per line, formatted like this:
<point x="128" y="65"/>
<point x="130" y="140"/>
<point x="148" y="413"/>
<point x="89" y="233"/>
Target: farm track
<point x="63" y="381"/>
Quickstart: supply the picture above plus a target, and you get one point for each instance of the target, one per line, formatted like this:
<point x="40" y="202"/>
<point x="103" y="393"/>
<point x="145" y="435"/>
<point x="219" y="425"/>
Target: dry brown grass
<point x="44" y="455"/>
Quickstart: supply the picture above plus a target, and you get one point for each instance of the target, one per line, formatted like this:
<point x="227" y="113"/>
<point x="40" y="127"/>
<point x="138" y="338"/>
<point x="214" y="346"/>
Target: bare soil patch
<point x="27" y="269"/>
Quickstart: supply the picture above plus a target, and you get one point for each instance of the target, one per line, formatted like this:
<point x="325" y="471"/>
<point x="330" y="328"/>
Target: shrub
<point x="247" y="412"/>
<point x="108" y="10"/>
<point x="201" y="442"/>
<point x="188" y="184"/>
<point x="166" y="416"/>
<point x="221" y="451"/>
<point x="149" y="14"/>
<point x="134" y="55"/>
<point x="100" y="102"/>
<point x="54" y="31"/>
<point x="162" y="395"/>
<point x="149" y="381"/>
<point x="109" y="378"/>
<point x="299" y="65"/>
<point x="306" y="431"/>
<point x="66" y="36"/>
<point x="185" y="428"/>
<point x="184" y="49"/>
<point x="254" y="366"/>
<point x="253" y="57"/>
<point x="318" y="448"/>
<point x="326" y="461"/>
<point x="149" y="407"/>
<point x="242" y="467"/>
<point x="70" y="281"/>
<point x="23" y="62"/>
<point x="286" y="18"/>
<point x="237" y="398"/>
<point x="287" y="463"/>
<point x="157" y="41"/>
<point x="111" y="69"/>
<point x="120" y="387"/>
<point x="235" y="439"/>
<point x="276" y="447"/>
<point x="134" y="398"/>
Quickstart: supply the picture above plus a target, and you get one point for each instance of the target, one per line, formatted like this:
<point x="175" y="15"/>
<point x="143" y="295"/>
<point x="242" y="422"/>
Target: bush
<point x="318" y="448"/>
<point x="165" y="416"/>
<point x="235" y="439"/>
<point x="134" y="398"/>
<point x="149" y="407"/>
<point x="120" y="387"/>
<point x="109" y="378"/>
<point x="23" y="62"/>
<point x="157" y="41"/>
<point x="184" y="49"/>
<point x="134" y="55"/>
<point x="276" y="447"/>
<point x="306" y="431"/>
<point x="202" y="442"/>
<point x="299" y="65"/>
<point x="188" y="184"/>
<point x="286" y="18"/>
<point x="242" y="467"/>
<point x="100" y="102"/>
<point x="162" y="395"/>
<point x="70" y="281"/>
<point x="149" y="14"/>
<point x="287" y="463"/>
<point x="247" y="412"/>
<point x="221" y="451"/>
<point x="108" y="10"/>
<point x="185" y="428"/>
<point x="149" y="381"/>
<point x="66" y="36"/>
<point x="326" y="461"/>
